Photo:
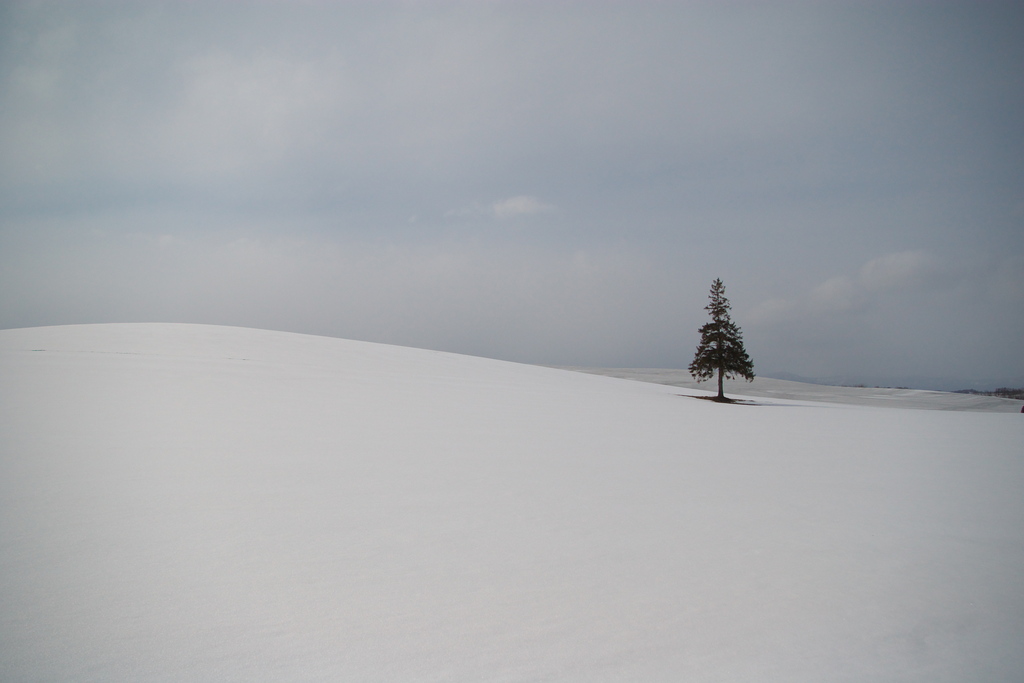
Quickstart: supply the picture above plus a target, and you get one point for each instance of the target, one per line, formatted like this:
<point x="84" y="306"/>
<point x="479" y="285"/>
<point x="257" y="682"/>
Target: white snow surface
<point x="199" y="503"/>
<point x="767" y="387"/>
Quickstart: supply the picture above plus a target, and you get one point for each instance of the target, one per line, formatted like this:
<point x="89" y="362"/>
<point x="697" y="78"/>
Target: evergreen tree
<point x="721" y="344"/>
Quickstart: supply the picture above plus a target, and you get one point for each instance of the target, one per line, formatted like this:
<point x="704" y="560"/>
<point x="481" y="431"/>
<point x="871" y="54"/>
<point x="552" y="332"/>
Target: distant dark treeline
<point x="1001" y="392"/>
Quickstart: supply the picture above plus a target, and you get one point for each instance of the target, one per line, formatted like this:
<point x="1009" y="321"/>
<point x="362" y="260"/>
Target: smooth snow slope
<point x="182" y="502"/>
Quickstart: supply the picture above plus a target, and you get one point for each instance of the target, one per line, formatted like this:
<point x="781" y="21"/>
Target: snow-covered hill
<point x="184" y="502"/>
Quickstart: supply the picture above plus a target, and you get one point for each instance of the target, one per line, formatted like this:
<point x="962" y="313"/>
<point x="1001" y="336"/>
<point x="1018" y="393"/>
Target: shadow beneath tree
<point x="724" y="399"/>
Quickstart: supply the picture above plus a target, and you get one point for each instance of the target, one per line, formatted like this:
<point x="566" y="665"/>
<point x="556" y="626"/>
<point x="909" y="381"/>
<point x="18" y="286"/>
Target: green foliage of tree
<point x="721" y="344"/>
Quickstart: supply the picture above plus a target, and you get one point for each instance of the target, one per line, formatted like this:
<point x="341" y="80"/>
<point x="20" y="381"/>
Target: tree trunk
<point x="721" y="394"/>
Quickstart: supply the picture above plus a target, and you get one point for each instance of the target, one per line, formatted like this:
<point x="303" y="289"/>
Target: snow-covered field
<point x="195" y="503"/>
<point x="766" y="387"/>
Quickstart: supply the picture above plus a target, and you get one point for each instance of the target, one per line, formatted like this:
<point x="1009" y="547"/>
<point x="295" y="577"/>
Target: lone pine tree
<point x="721" y="344"/>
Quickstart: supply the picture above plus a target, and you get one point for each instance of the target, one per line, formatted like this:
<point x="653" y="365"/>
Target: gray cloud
<point x="441" y="174"/>
<point x="503" y="209"/>
<point x="519" y="302"/>
<point x="879" y="278"/>
<point x="908" y="316"/>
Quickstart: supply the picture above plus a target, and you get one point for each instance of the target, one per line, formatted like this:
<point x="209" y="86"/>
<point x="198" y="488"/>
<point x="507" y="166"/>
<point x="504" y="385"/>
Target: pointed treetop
<point x="718" y="306"/>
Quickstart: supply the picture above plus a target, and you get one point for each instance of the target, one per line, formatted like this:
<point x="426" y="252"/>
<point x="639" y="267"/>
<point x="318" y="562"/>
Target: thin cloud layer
<point x="523" y="205"/>
<point x="903" y="318"/>
<point x="783" y="148"/>
<point x="890" y="274"/>
<point x="503" y="209"/>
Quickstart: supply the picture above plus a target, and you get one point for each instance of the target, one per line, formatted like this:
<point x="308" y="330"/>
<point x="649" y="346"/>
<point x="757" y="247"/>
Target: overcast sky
<point x="547" y="182"/>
